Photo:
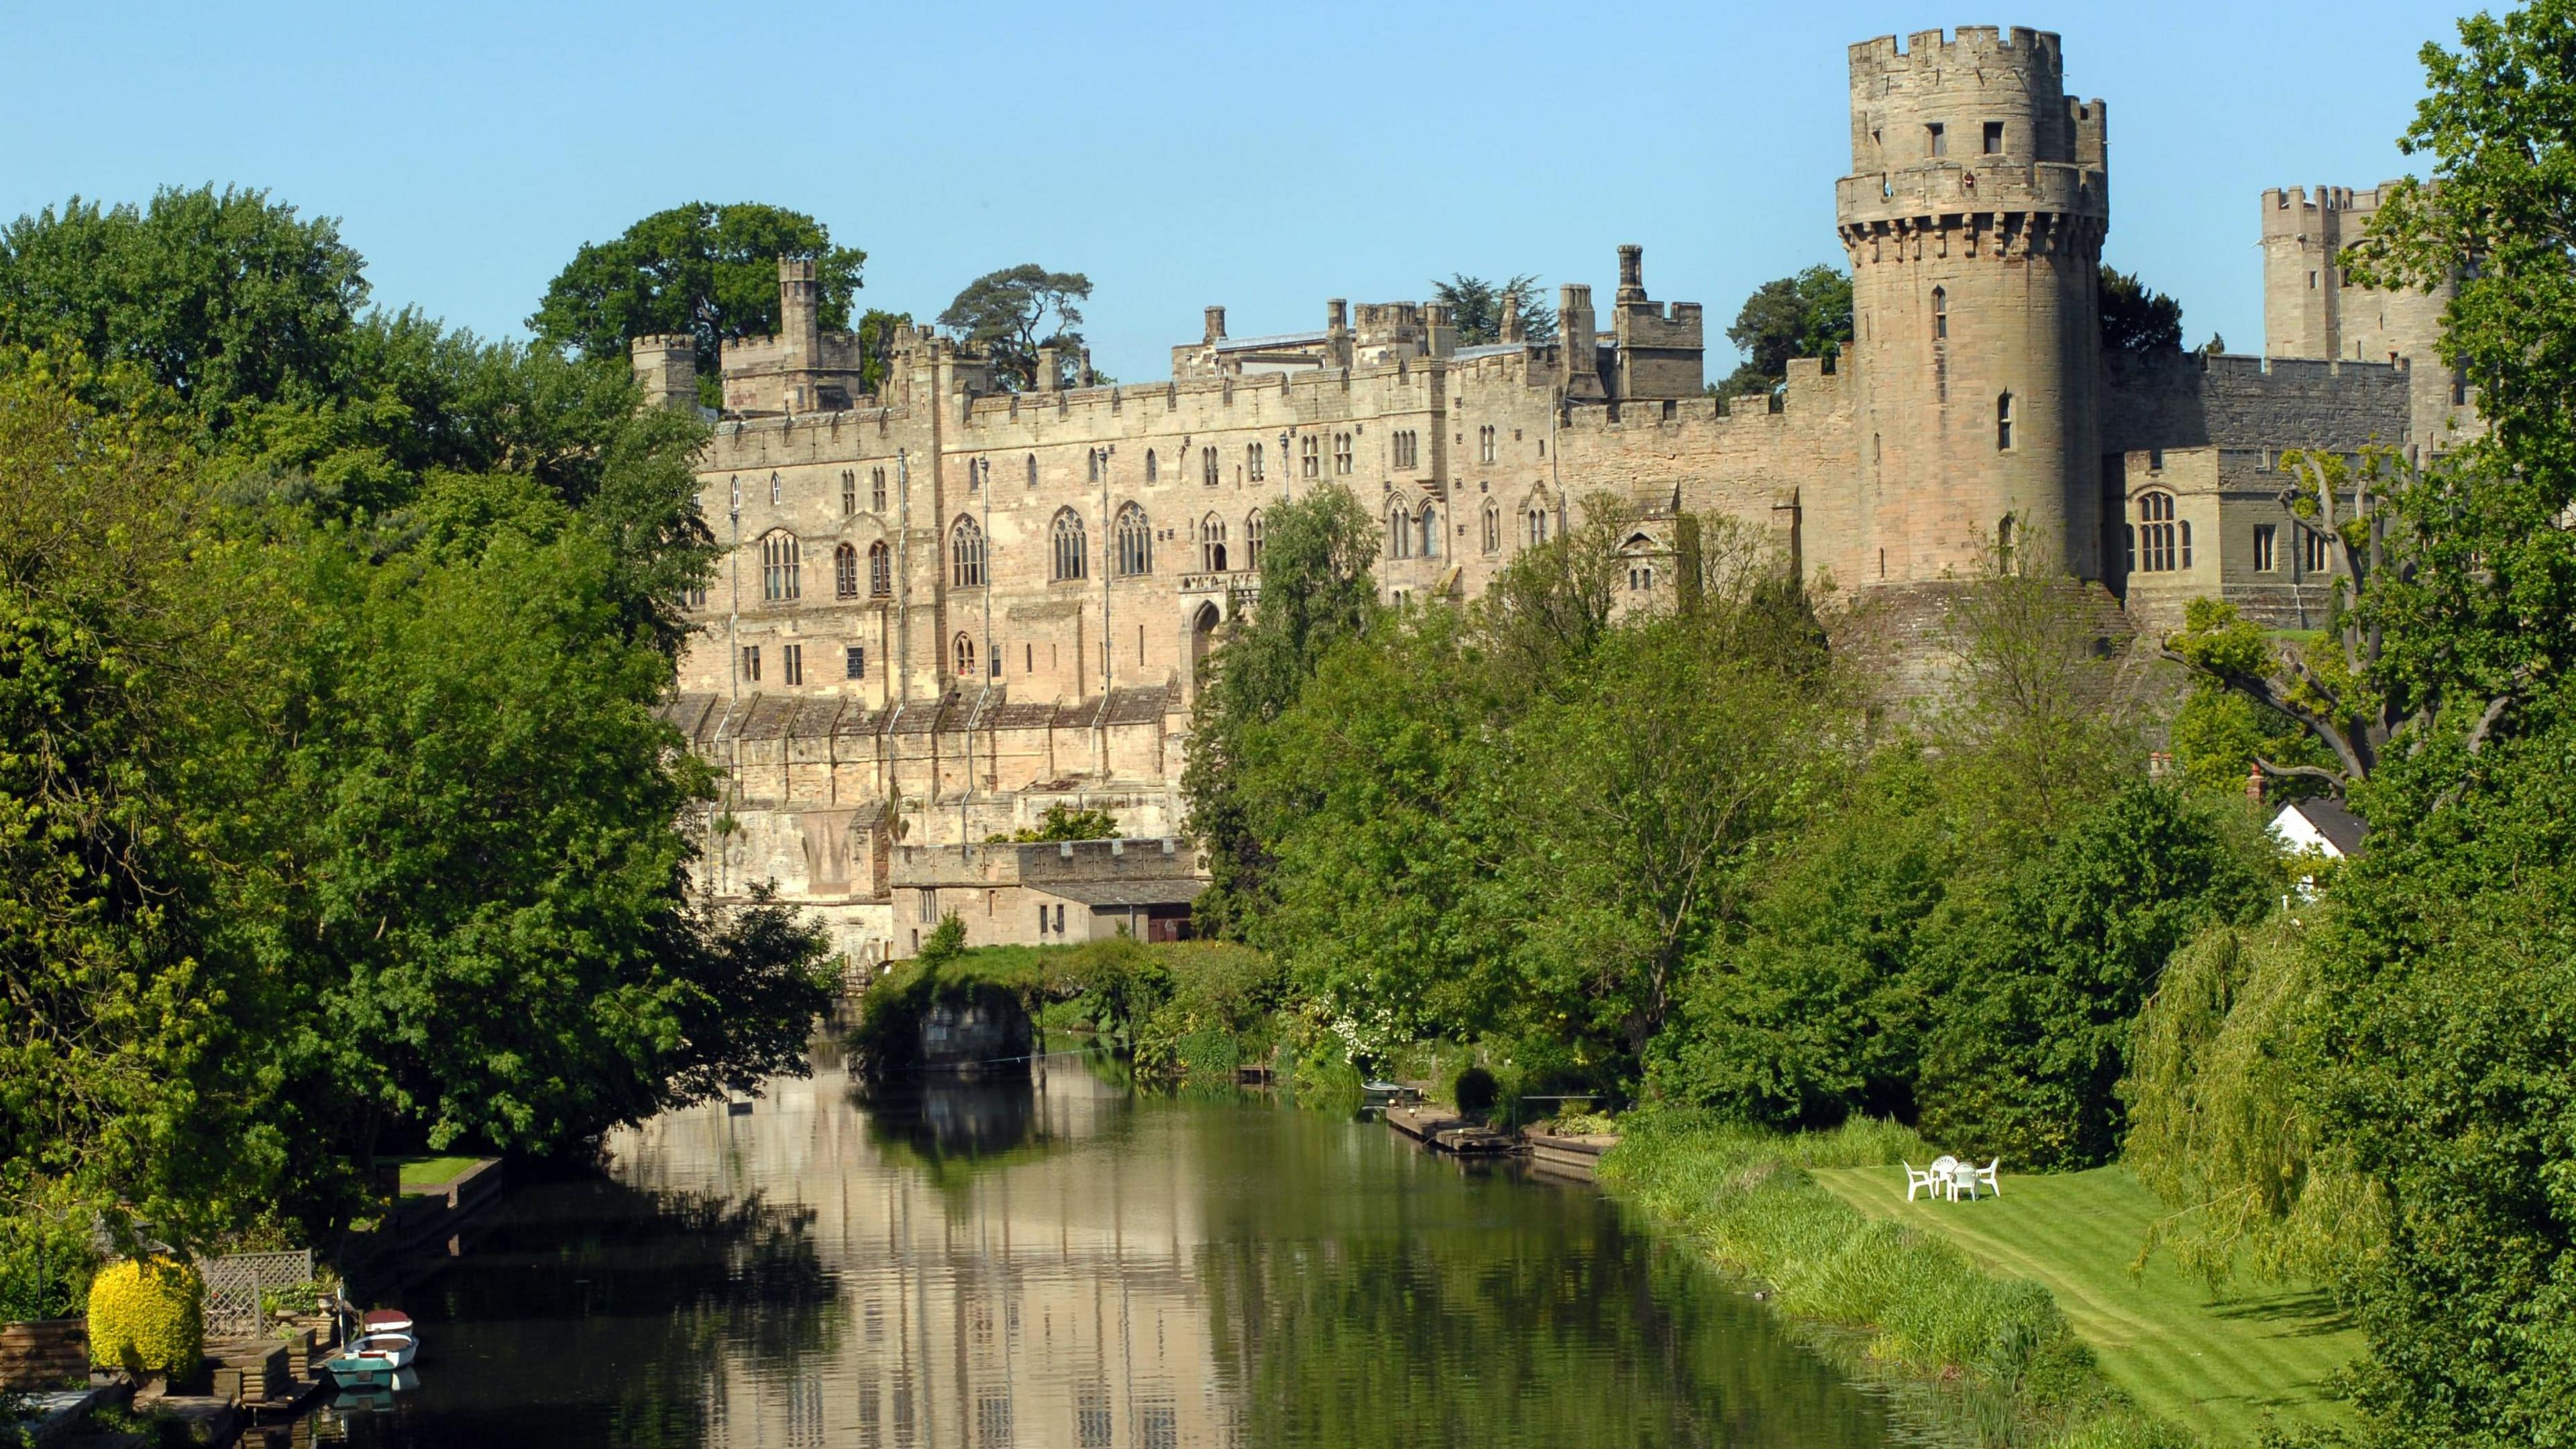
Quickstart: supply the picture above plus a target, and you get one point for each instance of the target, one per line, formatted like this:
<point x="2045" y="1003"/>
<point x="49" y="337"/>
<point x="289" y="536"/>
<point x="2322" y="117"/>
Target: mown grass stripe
<point x="2223" y="1364"/>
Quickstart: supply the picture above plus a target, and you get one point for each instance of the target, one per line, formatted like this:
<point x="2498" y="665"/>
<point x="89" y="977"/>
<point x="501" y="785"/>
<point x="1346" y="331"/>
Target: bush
<point x="147" y="1316"/>
<point x="1474" y="1090"/>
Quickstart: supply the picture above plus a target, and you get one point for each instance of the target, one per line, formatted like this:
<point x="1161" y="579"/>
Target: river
<point x="1072" y="1264"/>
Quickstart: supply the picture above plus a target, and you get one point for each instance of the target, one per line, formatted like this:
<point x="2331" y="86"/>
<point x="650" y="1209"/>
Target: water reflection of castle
<point x="1049" y="1296"/>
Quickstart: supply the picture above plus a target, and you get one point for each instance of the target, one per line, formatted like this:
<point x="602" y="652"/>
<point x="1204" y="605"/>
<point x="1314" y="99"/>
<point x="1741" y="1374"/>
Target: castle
<point x="946" y="607"/>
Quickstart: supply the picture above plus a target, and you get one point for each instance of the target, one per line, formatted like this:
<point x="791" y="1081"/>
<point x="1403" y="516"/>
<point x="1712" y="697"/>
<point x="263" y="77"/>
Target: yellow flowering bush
<point x="147" y="1315"/>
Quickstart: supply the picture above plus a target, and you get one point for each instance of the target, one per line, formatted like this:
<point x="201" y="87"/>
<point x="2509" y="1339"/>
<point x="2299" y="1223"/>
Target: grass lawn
<point x="422" y="1173"/>
<point x="2221" y="1364"/>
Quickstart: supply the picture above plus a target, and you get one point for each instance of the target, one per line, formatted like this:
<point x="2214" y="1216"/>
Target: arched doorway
<point x="1202" y="636"/>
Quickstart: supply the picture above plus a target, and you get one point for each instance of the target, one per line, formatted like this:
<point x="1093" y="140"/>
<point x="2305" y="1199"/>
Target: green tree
<point x="707" y="270"/>
<point x="1810" y="1012"/>
<point x="1808" y="314"/>
<point x="1063" y="822"/>
<point x="1008" y="314"/>
<point x="1316" y="590"/>
<point x="221" y="297"/>
<point x="1641" y="797"/>
<point x="2040" y="986"/>
<point x="1476" y="308"/>
<point x="2136" y="319"/>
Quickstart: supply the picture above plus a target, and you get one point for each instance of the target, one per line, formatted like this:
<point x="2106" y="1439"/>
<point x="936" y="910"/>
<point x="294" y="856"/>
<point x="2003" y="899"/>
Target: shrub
<point x="1474" y="1090"/>
<point x="147" y="1316"/>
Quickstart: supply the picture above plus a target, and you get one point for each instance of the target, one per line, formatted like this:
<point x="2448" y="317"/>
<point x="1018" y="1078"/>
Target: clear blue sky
<point x="1261" y="155"/>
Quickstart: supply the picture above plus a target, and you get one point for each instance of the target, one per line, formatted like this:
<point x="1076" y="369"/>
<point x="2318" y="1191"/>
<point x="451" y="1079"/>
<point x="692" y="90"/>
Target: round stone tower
<point x="1973" y="219"/>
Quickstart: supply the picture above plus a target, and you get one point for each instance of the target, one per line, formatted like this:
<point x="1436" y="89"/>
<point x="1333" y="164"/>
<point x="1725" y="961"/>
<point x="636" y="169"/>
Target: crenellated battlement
<point x="1934" y="50"/>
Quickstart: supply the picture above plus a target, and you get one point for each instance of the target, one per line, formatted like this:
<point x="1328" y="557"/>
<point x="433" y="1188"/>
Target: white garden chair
<point x="1987" y="1178"/>
<point x="1918" y="1181"/>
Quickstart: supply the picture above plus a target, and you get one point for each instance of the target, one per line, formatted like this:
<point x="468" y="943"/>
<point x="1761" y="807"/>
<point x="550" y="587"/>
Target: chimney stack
<point x="1050" y="367"/>
<point x="1632" y="273"/>
<point x="1215" y="325"/>
<point x="2254" y="784"/>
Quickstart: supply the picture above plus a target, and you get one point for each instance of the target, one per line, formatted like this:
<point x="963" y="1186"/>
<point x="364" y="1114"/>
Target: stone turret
<point x="1579" y="365"/>
<point x="1973" y="220"/>
<point x="666" y="368"/>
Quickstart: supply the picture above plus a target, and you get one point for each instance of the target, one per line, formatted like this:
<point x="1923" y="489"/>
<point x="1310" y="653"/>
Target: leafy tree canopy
<point x="1808" y="314"/>
<point x="224" y="298"/>
<point x="1013" y="312"/>
<point x="2136" y="319"/>
<point x="707" y="270"/>
<point x="1476" y="308"/>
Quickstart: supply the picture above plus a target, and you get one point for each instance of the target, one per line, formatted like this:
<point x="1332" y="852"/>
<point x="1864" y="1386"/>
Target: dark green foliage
<point x="226" y="299"/>
<point x="1810" y="1013"/>
<point x="349" y="823"/>
<point x="1476" y="308"/>
<point x="1805" y="315"/>
<point x="2136" y="319"/>
<point x="707" y="270"/>
<point x="1474" y="1091"/>
<point x="2038" y="988"/>
<point x="1006" y="313"/>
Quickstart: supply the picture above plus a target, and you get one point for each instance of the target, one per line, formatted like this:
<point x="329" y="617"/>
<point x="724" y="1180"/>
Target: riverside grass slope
<point x="1980" y="1350"/>
<point x="2222" y="1363"/>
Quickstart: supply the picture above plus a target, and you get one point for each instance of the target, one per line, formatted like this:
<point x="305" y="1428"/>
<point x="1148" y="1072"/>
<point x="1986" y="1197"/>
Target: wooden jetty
<point x="1568" y="1155"/>
<point x="1442" y="1130"/>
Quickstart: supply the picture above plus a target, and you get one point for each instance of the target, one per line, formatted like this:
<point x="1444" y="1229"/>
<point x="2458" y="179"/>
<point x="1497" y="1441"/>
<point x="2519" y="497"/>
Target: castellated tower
<point x="1973" y="218"/>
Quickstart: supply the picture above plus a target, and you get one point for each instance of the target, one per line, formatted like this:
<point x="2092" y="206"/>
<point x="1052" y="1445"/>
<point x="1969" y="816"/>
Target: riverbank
<point x="1992" y="1359"/>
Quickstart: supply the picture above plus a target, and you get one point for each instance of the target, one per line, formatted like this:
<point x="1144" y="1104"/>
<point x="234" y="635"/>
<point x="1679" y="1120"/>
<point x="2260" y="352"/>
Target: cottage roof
<point x="2340" y="830"/>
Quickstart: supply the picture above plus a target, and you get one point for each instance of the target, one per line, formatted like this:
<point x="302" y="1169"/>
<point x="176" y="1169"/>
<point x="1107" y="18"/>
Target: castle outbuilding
<point x="945" y="607"/>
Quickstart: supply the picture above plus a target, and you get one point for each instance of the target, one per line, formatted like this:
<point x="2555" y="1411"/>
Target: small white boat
<point x="384" y="1320"/>
<point x="393" y="1350"/>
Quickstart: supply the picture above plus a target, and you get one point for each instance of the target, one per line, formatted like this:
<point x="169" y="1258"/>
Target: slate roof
<point x="1175" y="891"/>
<point x="2345" y="829"/>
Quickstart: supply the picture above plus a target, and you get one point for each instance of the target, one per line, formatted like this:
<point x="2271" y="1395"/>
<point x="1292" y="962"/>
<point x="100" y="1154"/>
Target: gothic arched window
<point x="2157" y="543"/>
<point x="880" y="570"/>
<point x="966" y="555"/>
<point x="962" y="654"/>
<point x="1071" y="550"/>
<point x="845" y="572"/>
<point x="1135" y="539"/>
<point x="779" y="580"/>
<point x="1399" y="532"/>
<point x="1252" y="540"/>
<point x="1151" y="473"/>
<point x="1428" y="528"/>
<point x="849" y="491"/>
<point x="1212" y="544"/>
<point x="1033" y="470"/>
<point x="1207" y="466"/>
<point x="1493" y="539"/>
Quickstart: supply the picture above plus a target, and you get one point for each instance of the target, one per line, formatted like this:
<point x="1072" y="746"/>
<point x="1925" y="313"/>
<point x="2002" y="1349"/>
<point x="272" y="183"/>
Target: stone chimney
<point x="1440" y="336"/>
<point x="1507" y="327"/>
<point x="2254" y="784"/>
<point x="1632" y="273"/>
<point x="1050" y="367"/>
<point x="1579" y="362"/>
<point x="1337" y="332"/>
<point x="1215" y="325"/>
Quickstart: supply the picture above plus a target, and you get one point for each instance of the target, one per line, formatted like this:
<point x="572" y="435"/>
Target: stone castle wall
<point x="944" y="608"/>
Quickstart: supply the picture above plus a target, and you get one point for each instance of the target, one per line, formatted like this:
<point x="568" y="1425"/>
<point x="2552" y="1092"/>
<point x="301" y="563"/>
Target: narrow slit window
<point x="1940" y="313"/>
<point x="2004" y="423"/>
<point x="1938" y="138"/>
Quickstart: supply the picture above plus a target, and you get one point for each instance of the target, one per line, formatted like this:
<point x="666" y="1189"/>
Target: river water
<point x="1071" y="1264"/>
